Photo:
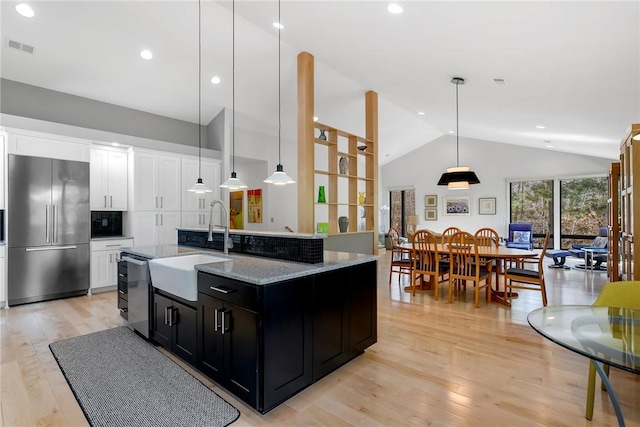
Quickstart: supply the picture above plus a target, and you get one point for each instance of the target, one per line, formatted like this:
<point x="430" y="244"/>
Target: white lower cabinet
<point x="152" y="228"/>
<point x="104" y="265"/>
<point x="3" y="278"/>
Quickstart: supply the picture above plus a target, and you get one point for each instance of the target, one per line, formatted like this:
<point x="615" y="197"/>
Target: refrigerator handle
<point x="46" y="223"/>
<point x="54" y="219"/>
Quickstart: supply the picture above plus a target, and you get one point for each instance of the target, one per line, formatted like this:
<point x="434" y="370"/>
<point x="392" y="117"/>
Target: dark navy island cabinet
<point x="265" y="343"/>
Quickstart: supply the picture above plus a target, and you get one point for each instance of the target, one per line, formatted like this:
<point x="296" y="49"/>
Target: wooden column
<point x="371" y="133"/>
<point x="306" y="161"/>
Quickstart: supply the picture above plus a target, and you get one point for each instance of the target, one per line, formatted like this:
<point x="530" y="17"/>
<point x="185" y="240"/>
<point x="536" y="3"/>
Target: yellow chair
<point x="465" y="265"/>
<point x="426" y="261"/>
<point x="614" y="294"/>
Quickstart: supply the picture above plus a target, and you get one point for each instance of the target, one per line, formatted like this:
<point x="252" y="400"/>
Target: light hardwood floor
<point x="435" y="364"/>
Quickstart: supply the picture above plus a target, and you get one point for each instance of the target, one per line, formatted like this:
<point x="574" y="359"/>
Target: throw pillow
<point x="599" y="242"/>
<point x="521" y="236"/>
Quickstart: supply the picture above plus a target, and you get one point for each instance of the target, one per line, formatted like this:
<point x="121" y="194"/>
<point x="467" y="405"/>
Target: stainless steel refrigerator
<point x="48" y="224"/>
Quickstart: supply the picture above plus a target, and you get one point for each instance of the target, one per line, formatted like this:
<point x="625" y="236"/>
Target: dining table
<point x="501" y="253"/>
<point x="605" y="335"/>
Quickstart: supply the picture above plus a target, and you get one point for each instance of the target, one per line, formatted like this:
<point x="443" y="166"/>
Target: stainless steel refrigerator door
<point x="29" y="201"/>
<point x="71" y="219"/>
<point x="43" y="273"/>
<point x="138" y="282"/>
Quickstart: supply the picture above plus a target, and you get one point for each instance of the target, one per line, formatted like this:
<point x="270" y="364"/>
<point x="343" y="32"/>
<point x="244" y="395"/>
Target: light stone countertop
<point x="253" y="269"/>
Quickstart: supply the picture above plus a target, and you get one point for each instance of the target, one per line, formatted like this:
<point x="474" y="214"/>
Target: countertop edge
<point x="253" y="269"/>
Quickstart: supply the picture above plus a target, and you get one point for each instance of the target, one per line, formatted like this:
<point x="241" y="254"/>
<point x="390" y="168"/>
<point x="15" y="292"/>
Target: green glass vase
<point x="321" y="196"/>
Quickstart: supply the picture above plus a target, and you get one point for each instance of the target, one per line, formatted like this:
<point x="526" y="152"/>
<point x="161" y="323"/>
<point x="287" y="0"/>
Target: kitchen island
<point x="263" y="328"/>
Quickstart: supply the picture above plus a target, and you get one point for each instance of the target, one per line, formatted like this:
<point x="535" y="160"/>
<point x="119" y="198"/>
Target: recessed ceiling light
<point x="146" y="54"/>
<point x="540" y="127"/>
<point x="421" y="113"/>
<point x="278" y="25"/>
<point x="25" y="10"/>
<point x="395" y="8"/>
<point x="452" y="132"/>
<point x="115" y="144"/>
<point x="315" y="118"/>
<point x="215" y="80"/>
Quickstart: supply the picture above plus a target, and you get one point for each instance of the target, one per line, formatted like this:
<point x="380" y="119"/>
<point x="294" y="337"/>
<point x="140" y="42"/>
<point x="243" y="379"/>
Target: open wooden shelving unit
<point x="629" y="203"/>
<point x="318" y="164"/>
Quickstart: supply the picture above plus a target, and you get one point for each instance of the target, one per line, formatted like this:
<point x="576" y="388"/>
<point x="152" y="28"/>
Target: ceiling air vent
<point x="499" y="81"/>
<point x="20" y="46"/>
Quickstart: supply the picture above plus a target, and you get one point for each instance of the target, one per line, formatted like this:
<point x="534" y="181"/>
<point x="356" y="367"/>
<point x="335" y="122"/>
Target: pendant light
<point x="233" y="183"/>
<point x="199" y="187"/>
<point x="458" y="177"/>
<point x="279" y="177"/>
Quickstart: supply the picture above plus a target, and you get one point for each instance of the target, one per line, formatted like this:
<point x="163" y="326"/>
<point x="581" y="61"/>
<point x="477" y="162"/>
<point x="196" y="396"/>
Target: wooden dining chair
<point x="466" y="265"/>
<point x="524" y="278"/>
<point x="426" y="261"/>
<point x="488" y="237"/>
<point x="625" y="295"/>
<point x="448" y="232"/>
<point x="400" y="257"/>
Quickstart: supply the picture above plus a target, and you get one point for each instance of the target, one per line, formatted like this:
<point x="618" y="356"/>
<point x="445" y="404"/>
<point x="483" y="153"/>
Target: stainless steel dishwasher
<point x="139" y="293"/>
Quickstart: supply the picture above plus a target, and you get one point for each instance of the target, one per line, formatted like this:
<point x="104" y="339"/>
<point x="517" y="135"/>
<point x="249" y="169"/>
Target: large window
<point x="403" y="204"/>
<point x="532" y="201"/>
<point x="583" y="209"/>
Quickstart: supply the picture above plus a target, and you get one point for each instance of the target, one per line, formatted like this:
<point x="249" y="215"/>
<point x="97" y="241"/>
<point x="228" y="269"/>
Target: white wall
<point x="494" y="163"/>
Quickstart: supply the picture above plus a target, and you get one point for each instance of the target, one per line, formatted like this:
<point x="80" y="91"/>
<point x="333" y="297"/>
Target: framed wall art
<point x="487" y="205"/>
<point x="457" y="205"/>
<point x="431" y="201"/>
<point x="431" y="214"/>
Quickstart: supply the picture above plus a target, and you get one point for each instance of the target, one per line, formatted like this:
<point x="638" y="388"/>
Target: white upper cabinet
<point x="210" y="175"/>
<point x="2" y="172"/>
<point x="156" y="182"/>
<point x="108" y="180"/>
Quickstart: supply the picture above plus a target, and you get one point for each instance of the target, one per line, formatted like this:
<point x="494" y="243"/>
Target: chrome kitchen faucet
<point x="227" y="244"/>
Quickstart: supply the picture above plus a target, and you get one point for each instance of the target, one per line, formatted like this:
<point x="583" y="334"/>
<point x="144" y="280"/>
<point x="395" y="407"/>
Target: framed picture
<point x="431" y="214"/>
<point x="487" y="205"/>
<point x="254" y="205"/>
<point x="430" y="201"/>
<point x="457" y="205"/>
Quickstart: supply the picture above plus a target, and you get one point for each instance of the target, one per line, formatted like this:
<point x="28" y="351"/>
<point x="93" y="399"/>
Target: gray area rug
<point x="119" y="379"/>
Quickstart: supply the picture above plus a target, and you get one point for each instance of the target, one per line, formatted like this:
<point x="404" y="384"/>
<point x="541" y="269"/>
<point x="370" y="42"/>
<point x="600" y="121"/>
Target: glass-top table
<point x="606" y="335"/>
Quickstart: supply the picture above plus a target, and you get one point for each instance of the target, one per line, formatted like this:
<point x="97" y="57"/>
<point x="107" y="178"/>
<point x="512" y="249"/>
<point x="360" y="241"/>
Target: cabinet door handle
<point x="161" y="219"/>
<point x="110" y="260"/>
<point x="170" y="309"/>
<point x="121" y="292"/>
<point x="156" y="220"/>
<point x="221" y="289"/>
<point x="223" y="317"/>
<point x="166" y="315"/>
<point x="110" y="201"/>
<point x="105" y="200"/>
<point x="215" y="320"/>
<point x="161" y="201"/>
<point x="156" y="201"/>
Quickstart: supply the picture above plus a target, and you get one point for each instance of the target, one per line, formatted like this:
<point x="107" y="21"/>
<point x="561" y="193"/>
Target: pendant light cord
<point x="233" y="86"/>
<point x="457" y="132"/>
<point x="279" y="103"/>
<point x="199" y="91"/>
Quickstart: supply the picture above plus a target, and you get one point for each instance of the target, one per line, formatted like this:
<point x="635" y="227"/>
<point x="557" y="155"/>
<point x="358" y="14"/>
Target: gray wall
<point x="34" y="102"/>
<point x="215" y="133"/>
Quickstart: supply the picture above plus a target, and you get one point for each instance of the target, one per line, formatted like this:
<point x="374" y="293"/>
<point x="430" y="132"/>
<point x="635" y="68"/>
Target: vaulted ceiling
<point x="571" y="70"/>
